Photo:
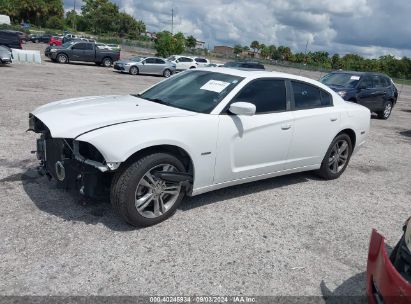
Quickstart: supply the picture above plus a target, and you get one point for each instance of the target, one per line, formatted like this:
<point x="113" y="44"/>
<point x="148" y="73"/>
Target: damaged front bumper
<point x="75" y="165"/>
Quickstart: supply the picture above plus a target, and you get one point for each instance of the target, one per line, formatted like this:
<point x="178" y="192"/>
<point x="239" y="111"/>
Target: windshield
<point x="171" y="58"/>
<point x="67" y="44"/>
<point x="232" y="64"/>
<point x="341" y="80"/>
<point x="197" y="91"/>
<point x="136" y="59"/>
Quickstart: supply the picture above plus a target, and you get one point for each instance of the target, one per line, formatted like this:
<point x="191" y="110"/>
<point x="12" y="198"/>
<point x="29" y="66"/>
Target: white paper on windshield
<point x="215" y="86"/>
<point x="355" y="77"/>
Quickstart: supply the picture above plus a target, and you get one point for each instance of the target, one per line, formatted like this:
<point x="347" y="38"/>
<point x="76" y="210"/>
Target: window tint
<point x="89" y="46"/>
<point x="268" y="95"/>
<point x="326" y="99"/>
<point x="80" y="46"/>
<point x="159" y="61"/>
<point x="378" y="81"/>
<point x="185" y="59"/>
<point x="201" y="60"/>
<point x="307" y="96"/>
<point x="150" y="60"/>
<point x="367" y="82"/>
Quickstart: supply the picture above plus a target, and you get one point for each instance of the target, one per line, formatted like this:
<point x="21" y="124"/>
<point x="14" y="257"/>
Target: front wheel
<point x="133" y="70"/>
<point x="337" y="157"/>
<point x="384" y="114"/>
<point x="62" y="58"/>
<point x="142" y="198"/>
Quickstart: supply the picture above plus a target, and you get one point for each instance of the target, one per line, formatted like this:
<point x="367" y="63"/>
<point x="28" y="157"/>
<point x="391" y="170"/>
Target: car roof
<point x="252" y="74"/>
<point x="357" y="73"/>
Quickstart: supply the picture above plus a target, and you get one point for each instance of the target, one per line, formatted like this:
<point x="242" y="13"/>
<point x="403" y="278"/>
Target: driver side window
<point x="268" y="95"/>
<point x="367" y="82"/>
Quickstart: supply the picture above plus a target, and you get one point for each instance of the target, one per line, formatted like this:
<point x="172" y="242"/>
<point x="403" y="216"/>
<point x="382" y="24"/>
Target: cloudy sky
<point x="367" y="27"/>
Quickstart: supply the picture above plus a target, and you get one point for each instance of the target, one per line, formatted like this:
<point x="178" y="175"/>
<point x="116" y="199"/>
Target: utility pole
<point x="75" y="15"/>
<point x="172" y="21"/>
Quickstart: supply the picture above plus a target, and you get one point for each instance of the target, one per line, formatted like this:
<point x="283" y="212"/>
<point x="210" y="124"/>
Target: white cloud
<point x="368" y="27"/>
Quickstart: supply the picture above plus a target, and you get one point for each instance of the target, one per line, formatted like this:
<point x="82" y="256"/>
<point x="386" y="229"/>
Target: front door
<point x="255" y="145"/>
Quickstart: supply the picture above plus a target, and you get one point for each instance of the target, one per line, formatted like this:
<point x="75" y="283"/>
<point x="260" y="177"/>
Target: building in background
<point x="223" y="50"/>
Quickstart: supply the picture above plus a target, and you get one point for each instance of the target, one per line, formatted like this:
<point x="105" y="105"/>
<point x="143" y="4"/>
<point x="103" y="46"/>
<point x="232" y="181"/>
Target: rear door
<point x="159" y="66"/>
<point x="255" y="145"/>
<point x="316" y="122"/>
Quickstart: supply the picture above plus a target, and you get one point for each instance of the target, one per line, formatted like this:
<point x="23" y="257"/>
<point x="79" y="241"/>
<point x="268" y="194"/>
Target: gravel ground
<point x="291" y="235"/>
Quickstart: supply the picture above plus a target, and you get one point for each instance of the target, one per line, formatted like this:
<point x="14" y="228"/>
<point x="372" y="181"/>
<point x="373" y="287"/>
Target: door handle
<point x="333" y="118"/>
<point x="286" y="126"/>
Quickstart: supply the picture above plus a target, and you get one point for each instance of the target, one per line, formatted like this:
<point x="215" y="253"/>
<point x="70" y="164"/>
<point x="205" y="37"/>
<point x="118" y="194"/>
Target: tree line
<point x="388" y="64"/>
<point x="97" y="16"/>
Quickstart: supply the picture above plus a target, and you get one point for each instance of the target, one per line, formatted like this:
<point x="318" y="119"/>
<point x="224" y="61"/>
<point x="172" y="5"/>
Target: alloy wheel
<point x="338" y="156"/>
<point x="154" y="196"/>
<point x="387" y="110"/>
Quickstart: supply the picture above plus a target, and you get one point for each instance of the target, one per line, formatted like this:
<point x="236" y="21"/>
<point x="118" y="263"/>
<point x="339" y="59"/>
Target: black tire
<point x="167" y="73"/>
<point x="107" y="62"/>
<point x="385" y="114"/>
<point x="332" y="159"/>
<point x="97" y="63"/>
<point x="193" y="67"/>
<point x="133" y="70"/>
<point x="62" y="58"/>
<point x="125" y="182"/>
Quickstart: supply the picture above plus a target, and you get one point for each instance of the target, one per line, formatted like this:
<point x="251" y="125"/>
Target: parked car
<point x="146" y="65"/>
<point x="246" y="65"/>
<point x="56" y="41"/>
<point x="201" y="62"/>
<point x="195" y="132"/>
<point x="81" y="51"/>
<point x="22" y="35"/>
<point x="183" y="62"/>
<point x="389" y="275"/>
<point x="10" y="39"/>
<point x="6" y="55"/>
<point x="40" y="38"/>
<point x="375" y="91"/>
<point x="210" y="65"/>
<point x="112" y="47"/>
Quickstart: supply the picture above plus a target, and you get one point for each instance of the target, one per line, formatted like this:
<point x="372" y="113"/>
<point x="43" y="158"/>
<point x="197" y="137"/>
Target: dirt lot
<point x="292" y="235"/>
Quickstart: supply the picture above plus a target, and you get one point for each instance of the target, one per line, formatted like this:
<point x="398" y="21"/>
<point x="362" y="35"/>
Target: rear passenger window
<point x="307" y="96"/>
<point x="378" y="81"/>
<point x="268" y="95"/>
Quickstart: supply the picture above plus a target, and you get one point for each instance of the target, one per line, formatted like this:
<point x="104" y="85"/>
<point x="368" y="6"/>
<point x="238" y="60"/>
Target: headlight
<point x="342" y="93"/>
<point x="407" y="235"/>
<point x="53" y="50"/>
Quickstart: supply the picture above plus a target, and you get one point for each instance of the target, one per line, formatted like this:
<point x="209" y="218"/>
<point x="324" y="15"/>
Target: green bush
<point x="55" y="23"/>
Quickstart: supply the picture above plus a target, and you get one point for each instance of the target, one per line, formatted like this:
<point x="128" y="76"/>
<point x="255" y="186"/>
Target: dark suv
<point x="10" y="39"/>
<point x="375" y="91"/>
<point x="246" y="65"/>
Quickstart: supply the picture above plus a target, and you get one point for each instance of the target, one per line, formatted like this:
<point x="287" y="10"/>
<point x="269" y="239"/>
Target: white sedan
<point x="195" y="132"/>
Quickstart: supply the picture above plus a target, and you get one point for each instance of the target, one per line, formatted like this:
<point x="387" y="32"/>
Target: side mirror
<point x="242" y="108"/>
<point x="143" y="62"/>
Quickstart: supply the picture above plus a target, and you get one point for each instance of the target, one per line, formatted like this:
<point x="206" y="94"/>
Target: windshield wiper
<point x="157" y="100"/>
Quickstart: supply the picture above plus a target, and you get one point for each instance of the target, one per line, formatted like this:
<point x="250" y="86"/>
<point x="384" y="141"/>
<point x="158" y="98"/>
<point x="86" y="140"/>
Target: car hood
<point x="72" y="117"/>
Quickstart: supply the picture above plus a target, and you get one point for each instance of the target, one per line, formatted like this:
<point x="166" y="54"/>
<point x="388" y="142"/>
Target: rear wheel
<point x="384" y="114"/>
<point x="167" y="73"/>
<point x="62" y="58"/>
<point x="133" y="70"/>
<point x="142" y="198"/>
<point x="337" y="157"/>
<point x="107" y="62"/>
